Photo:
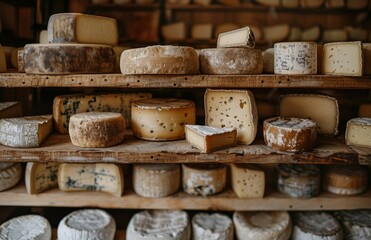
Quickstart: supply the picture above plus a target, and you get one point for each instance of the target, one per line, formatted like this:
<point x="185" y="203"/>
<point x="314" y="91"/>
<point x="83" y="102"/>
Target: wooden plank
<point x="226" y="201"/>
<point x="58" y="148"/>
<point x="364" y="155"/>
<point x="184" y="81"/>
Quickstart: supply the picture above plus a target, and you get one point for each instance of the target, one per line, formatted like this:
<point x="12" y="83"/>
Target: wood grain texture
<point x="364" y="155"/>
<point x="10" y="80"/>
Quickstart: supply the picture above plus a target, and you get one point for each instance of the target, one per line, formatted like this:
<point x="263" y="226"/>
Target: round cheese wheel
<point x="231" y="61"/>
<point x="268" y="60"/>
<point x="316" y="226"/>
<point x="204" y="179"/>
<point x="212" y="226"/>
<point x="159" y="224"/>
<point x="96" y="129"/>
<point x="68" y="58"/>
<point x="87" y="224"/>
<point x="262" y="225"/>
<point x="298" y="181"/>
<point x="10" y="174"/>
<point x="345" y="180"/>
<point x="289" y="134"/>
<point x="356" y="224"/>
<point x="159" y="60"/>
<point x="26" y="227"/>
<point x="162" y="119"/>
<point x="156" y="180"/>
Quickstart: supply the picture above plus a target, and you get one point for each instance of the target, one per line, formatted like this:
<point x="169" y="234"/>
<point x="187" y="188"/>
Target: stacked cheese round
<point x="289" y="134"/>
<point x="97" y="129"/>
<point x="87" y="224"/>
<point x="298" y="181"/>
<point x="262" y="225"/>
<point x="10" y="174"/>
<point x="356" y="224"/>
<point x="156" y="180"/>
<point x="26" y="227"/>
<point x="160" y="60"/>
<point x="212" y="226"/>
<point x="162" y="119"/>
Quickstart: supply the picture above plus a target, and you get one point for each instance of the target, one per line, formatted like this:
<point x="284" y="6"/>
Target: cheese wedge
<point x="243" y="37"/>
<point x="40" y="177"/>
<point x="225" y="27"/>
<point x="358" y="132"/>
<point x="10" y="109"/>
<point x="248" y="181"/>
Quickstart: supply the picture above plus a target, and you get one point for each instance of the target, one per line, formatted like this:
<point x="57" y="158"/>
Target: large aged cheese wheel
<point x="356" y="224"/>
<point x="212" y="226"/>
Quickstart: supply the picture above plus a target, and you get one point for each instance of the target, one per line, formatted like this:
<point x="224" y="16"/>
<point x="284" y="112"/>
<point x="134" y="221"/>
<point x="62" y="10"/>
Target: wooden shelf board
<point x="184" y="81"/>
<point x="364" y="155"/>
<point x="58" y="148"/>
<point x="226" y="201"/>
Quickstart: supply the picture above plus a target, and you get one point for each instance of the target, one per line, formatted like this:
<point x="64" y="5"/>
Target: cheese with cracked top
<point x="102" y="177"/>
<point x="10" y="175"/>
<point x="40" y="177"/>
<point x="358" y="132"/>
<point x="212" y="227"/>
<point x="356" y="224"/>
<point x="242" y="37"/>
<point x="248" y="181"/>
<point x="202" y="31"/>
<point x="232" y="109"/>
<point x="10" y="109"/>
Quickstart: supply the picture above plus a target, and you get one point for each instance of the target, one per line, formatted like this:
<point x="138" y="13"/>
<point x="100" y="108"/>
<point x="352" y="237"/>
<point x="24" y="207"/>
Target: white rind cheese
<point x="88" y="224"/>
<point x="232" y="109"/>
<point x="102" y="177"/>
<point x="212" y="227"/>
<point x="10" y="109"/>
<point x="358" y="132"/>
<point x="160" y="60"/>
<point x="356" y="224"/>
<point x="295" y="58"/>
<point x="40" y="177"/>
<point x="10" y="174"/>
<point x="159" y="225"/>
<point x="242" y="37"/>
<point x="204" y="179"/>
<point x="25" y="132"/>
<point x="26" y="227"/>
<point x="248" y="181"/>
<point x="156" y="180"/>
<point x="262" y="225"/>
<point x="268" y="60"/>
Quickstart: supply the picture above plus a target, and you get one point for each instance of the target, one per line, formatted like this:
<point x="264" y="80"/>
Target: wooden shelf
<point x="364" y="155"/>
<point x="185" y="81"/>
<point x="58" y="148"/>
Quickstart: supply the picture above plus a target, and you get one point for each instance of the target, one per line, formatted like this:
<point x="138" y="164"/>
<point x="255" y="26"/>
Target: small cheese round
<point x="10" y="174"/>
<point x="204" y="179"/>
<point x="262" y="225"/>
<point x="87" y="224"/>
<point x="290" y="134"/>
<point x="97" y="129"/>
<point x="356" y="224"/>
<point x="212" y="226"/>
<point x="316" y="225"/>
<point x="159" y="224"/>
<point x="160" y="60"/>
<point x="298" y="181"/>
<point x="156" y="180"/>
<point x="26" y="227"/>
<point x="345" y="180"/>
<point x="231" y="61"/>
<point x="162" y="119"/>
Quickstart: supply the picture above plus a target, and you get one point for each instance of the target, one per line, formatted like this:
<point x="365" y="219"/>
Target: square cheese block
<point x="342" y="58"/>
<point x="243" y="37"/>
<point x="366" y="48"/>
<point x="82" y="28"/>
<point x="10" y="109"/>
<point x="364" y="110"/>
<point x="358" y="132"/>
<point x="232" y="109"/>
<point x="248" y="181"/>
<point x="208" y="139"/>
<point x="174" y="31"/>
<point x="202" y="31"/>
<point x="321" y="109"/>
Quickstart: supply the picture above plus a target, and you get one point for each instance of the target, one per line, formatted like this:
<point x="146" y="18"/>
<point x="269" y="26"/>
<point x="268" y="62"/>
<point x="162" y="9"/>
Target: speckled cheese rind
<point x="159" y="225"/>
<point x="156" y="180"/>
<point x="358" y="132"/>
<point x="40" y="177"/>
<point x="204" y="179"/>
<point x="87" y="224"/>
<point x="68" y="58"/>
<point x="160" y="60"/>
<point x="10" y="175"/>
<point x="231" y="61"/>
<point x="262" y="225"/>
<point x="289" y="134"/>
<point x="212" y="227"/>
<point x="356" y="224"/>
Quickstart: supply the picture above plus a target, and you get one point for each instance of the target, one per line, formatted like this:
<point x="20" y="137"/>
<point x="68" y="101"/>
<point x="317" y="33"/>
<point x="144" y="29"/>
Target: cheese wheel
<point x="97" y="129"/>
<point x="290" y="134"/>
<point x="68" y="58"/>
<point x="10" y="109"/>
<point x="204" y="179"/>
<point x="212" y="226"/>
<point x="262" y="225"/>
<point x="26" y="227"/>
<point x="358" y="132"/>
<point x="20" y="60"/>
<point x="248" y="180"/>
<point x="268" y="60"/>
<point x="356" y="224"/>
<point x="298" y="181"/>
<point x="159" y="225"/>
<point x="160" y="60"/>
<point x="231" y="61"/>
<point x="40" y="177"/>
<point x="10" y="174"/>
<point x="156" y="180"/>
<point x="87" y="224"/>
<point x="295" y="58"/>
<point x="345" y="180"/>
<point x="316" y="226"/>
<point x="162" y="119"/>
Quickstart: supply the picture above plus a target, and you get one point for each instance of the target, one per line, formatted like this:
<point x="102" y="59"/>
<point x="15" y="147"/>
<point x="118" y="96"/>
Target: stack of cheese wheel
<point x="212" y="226"/>
<point x="78" y="43"/>
<point x="10" y="174"/>
<point x="356" y="224"/>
